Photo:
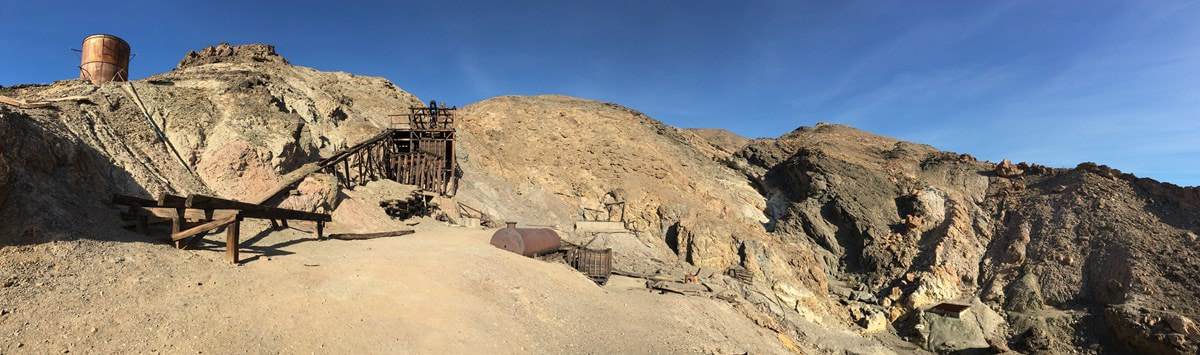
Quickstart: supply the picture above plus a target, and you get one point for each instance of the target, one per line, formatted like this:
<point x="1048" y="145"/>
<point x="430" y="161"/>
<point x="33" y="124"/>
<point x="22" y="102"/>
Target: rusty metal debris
<point x="740" y="274"/>
<point x="950" y="309"/>
<point x="596" y="264"/>
<point x="527" y="241"/>
<point x="416" y="205"/>
<point x="546" y="245"/>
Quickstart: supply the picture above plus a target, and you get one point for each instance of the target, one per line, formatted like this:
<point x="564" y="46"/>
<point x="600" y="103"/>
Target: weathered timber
<point x="169" y="200"/>
<point x="295" y="177"/>
<point x="126" y="200"/>
<point x="170" y="213"/>
<point x="203" y="228"/>
<point x="232" y="234"/>
<point x="361" y="236"/>
<point x="678" y="287"/>
<point x="249" y="210"/>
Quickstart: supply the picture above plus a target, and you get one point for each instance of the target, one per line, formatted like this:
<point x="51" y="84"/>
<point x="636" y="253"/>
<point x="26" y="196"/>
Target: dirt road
<point x="441" y="290"/>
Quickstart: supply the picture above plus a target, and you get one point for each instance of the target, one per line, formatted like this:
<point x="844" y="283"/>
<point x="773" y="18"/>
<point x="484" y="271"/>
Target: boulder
<point x="1008" y="169"/>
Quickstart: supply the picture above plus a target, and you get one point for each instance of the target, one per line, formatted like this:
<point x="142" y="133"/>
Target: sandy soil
<point x="441" y="290"/>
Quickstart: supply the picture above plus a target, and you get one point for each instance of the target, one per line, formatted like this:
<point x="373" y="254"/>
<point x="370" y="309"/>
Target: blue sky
<point x="1053" y="82"/>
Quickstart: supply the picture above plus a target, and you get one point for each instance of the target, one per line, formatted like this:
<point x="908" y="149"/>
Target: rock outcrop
<point x="225" y="53"/>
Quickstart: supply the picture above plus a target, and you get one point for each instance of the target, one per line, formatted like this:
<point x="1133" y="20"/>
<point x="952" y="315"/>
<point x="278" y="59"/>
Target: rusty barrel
<point x="105" y="58"/>
<point x="526" y="241"/>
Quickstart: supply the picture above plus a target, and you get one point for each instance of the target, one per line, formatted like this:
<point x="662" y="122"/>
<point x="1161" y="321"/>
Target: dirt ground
<point x="443" y="289"/>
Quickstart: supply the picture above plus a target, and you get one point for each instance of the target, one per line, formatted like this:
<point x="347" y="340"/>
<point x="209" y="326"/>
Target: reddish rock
<point x="1007" y="169"/>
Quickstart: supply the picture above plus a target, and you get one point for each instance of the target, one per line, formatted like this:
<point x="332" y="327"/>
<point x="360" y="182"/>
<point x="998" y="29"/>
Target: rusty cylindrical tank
<point x="105" y="58"/>
<point x="526" y="241"/>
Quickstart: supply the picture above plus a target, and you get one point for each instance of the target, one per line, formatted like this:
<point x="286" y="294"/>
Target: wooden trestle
<point x="420" y="154"/>
<point x="193" y="217"/>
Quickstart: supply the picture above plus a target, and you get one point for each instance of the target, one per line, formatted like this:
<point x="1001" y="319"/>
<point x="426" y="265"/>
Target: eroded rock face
<point x="316" y="193"/>
<point x="225" y="53"/>
<point x="1150" y="332"/>
<point x="919" y="227"/>
<point x="555" y="160"/>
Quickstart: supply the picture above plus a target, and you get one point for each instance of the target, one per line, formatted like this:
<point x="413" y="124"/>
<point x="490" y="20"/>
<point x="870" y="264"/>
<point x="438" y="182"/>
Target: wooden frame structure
<point x="421" y="154"/>
<point x="196" y="215"/>
<point x="424" y="158"/>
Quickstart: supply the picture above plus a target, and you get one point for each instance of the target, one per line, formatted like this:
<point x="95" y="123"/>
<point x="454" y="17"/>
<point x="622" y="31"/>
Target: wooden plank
<point x="249" y="210"/>
<point x="21" y="103"/>
<point x="203" y="228"/>
<point x="177" y="222"/>
<point x="169" y="200"/>
<point x="170" y="213"/>
<point x="231" y="241"/>
<point x="361" y="236"/>
<point x="126" y="200"/>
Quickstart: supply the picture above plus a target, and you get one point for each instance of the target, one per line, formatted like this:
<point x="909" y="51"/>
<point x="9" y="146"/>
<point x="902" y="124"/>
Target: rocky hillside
<point x="239" y="118"/>
<point x="725" y="142"/>
<point x="554" y="160"/>
<point x="857" y="231"/>
<point x="848" y="238"/>
<point x="1062" y="259"/>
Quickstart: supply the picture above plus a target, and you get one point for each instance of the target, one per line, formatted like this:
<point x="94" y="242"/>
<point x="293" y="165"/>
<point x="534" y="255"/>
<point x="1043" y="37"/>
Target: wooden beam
<point x="177" y="222"/>
<point x="126" y="200"/>
<point x="361" y="236"/>
<point x="169" y="200"/>
<point x="203" y="228"/>
<point x="231" y="240"/>
<point x="170" y="213"/>
<point x="248" y="210"/>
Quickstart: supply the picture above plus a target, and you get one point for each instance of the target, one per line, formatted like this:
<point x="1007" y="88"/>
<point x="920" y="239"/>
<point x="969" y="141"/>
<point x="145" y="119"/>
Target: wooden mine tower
<point x="423" y="153"/>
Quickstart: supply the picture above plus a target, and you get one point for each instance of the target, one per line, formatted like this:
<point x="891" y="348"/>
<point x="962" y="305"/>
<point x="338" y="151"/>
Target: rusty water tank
<point x="526" y="241"/>
<point x="105" y="59"/>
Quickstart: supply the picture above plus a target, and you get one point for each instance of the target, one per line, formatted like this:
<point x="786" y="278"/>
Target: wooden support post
<point x="320" y="230"/>
<point x="346" y="168"/>
<point x="142" y="221"/>
<point x="370" y="162"/>
<point x="177" y="224"/>
<point x="283" y="222"/>
<point x="231" y="240"/>
<point x="274" y="224"/>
